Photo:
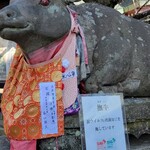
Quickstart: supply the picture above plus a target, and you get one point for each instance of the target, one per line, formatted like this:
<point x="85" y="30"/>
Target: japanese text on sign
<point x="48" y="108"/>
<point x="69" y="74"/>
<point x="103" y="118"/>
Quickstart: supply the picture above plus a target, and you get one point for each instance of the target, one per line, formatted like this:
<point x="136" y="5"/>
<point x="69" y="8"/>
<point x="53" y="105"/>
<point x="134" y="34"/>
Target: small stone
<point x="78" y="133"/>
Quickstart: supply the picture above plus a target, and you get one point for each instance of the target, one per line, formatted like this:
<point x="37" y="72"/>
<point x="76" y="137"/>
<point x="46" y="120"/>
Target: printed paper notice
<point x="103" y="122"/>
<point x="48" y="108"/>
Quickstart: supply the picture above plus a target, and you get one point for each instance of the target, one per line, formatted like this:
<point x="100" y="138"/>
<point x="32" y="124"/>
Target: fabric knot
<point x="75" y="29"/>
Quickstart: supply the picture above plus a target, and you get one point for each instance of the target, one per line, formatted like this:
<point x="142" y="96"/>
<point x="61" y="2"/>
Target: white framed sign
<point x="103" y="123"/>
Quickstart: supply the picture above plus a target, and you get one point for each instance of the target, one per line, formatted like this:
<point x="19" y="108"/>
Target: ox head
<point x="34" y="23"/>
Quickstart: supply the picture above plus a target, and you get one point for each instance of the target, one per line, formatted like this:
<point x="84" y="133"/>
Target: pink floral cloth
<point x="22" y="145"/>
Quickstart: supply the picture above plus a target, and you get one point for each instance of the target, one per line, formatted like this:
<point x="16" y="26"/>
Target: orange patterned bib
<point x="21" y="98"/>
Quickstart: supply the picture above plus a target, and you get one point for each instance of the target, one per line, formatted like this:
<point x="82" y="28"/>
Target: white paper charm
<point x="48" y="108"/>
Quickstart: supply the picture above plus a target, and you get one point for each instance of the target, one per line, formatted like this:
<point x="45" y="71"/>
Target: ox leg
<point x="111" y="65"/>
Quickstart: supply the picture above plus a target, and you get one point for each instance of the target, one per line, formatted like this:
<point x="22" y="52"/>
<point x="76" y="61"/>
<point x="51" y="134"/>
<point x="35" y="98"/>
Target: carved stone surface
<point x="4" y="143"/>
<point x="70" y="141"/>
<point x="118" y="51"/>
<point x="138" y="116"/>
<point x="137" y="111"/>
<point x="135" y="144"/>
<point x="138" y="124"/>
<point x="118" y="46"/>
<point x="110" y="3"/>
<point x="143" y="143"/>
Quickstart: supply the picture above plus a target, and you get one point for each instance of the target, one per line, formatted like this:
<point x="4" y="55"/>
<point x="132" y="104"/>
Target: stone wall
<point x="137" y="112"/>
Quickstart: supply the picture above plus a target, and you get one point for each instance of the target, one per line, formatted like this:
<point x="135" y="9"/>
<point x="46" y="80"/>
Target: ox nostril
<point x="9" y="14"/>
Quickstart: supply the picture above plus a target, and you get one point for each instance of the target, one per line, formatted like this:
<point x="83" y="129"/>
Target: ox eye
<point x="44" y="2"/>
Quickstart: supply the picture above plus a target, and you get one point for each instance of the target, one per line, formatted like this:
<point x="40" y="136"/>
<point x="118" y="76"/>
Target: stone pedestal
<point x="138" y="127"/>
<point x="137" y="112"/>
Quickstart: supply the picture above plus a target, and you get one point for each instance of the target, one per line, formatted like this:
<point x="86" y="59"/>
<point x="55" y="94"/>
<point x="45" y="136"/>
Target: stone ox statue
<point x="118" y="46"/>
